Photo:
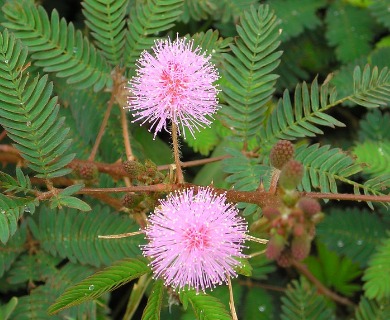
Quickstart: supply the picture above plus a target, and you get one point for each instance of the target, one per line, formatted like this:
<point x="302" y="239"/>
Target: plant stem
<point x="122" y="235"/>
<point x="3" y="135"/>
<point x="176" y="154"/>
<point x="231" y="300"/>
<point x="126" y="139"/>
<point x="321" y="288"/>
<point x="102" y="128"/>
<point x="136" y="296"/>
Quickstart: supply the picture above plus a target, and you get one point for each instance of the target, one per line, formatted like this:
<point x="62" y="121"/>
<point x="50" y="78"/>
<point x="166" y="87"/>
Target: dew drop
<point x="91" y="287"/>
<point x="6" y="61"/>
<point x="261" y="308"/>
<point x="74" y="49"/>
<point x="27" y="209"/>
<point x="28" y="123"/>
<point x="340" y="243"/>
<point x="359" y="242"/>
<point x="2" y="212"/>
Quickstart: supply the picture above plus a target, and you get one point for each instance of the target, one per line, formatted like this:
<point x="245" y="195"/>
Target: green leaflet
<point x="352" y="232"/>
<point x="205" y="307"/>
<point x="377" y="276"/>
<point x="101" y="282"/>
<point x="154" y="304"/>
<point x="371" y="87"/>
<point x="302" y="302"/>
<point x="29" y="114"/>
<point x="380" y="10"/>
<point x="56" y="46"/>
<point x="107" y="24"/>
<point x="7" y="309"/>
<point x="248" y="82"/>
<point x="373" y="309"/>
<point x="71" y="234"/>
<point x="374" y="156"/>
<point x="289" y="121"/>
<point x="148" y="18"/>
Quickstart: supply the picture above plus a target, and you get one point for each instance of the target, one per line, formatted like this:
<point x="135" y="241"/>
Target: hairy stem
<point x="102" y="129"/>
<point x="176" y="154"/>
<point x="321" y="288"/>
<point x="126" y="139"/>
<point x="231" y="300"/>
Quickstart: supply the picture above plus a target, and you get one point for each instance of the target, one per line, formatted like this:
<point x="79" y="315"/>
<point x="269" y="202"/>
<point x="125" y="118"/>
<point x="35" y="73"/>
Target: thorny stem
<point x="231" y="300"/>
<point x="126" y="139"/>
<point x="321" y="288"/>
<point x="176" y="154"/>
<point x="102" y="128"/>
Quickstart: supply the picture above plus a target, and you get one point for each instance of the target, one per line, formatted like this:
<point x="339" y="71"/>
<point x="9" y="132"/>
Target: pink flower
<point x="194" y="239"/>
<point x="175" y="83"/>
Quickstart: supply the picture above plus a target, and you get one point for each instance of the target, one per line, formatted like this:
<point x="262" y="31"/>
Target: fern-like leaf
<point x="296" y="18"/>
<point x="301" y="120"/>
<point x="232" y="9"/>
<point x="377" y="276"/>
<point x="371" y="87"/>
<point x="353" y="233"/>
<point x="74" y="235"/>
<point x="56" y="46"/>
<point x="29" y="114"/>
<point x="374" y="126"/>
<point x="373" y="309"/>
<point x="101" y="282"/>
<point x="205" y="307"/>
<point x="107" y="22"/>
<point x="198" y="10"/>
<point x="249" y="83"/>
<point x="148" y="18"/>
<point x="10" y="251"/>
<point x="153" y="307"/>
<point x="350" y="29"/>
<point x="324" y="166"/>
<point x="302" y="302"/>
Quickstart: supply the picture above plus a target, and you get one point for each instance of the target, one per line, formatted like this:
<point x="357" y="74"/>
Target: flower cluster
<point x="174" y="83"/>
<point x="194" y="239"/>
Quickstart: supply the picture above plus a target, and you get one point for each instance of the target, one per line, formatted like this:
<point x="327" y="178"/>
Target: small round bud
<point x="133" y="168"/>
<point x="275" y="247"/>
<point x="132" y="200"/>
<point x="271" y="213"/>
<point x="291" y="175"/>
<point x="300" y="247"/>
<point x="290" y="198"/>
<point x="309" y="206"/>
<point x="318" y="217"/>
<point x="285" y="259"/>
<point x="281" y="153"/>
<point x="299" y="229"/>
<point x="87" y="171"/>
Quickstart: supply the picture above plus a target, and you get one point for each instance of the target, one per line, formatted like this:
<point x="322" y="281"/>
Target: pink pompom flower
<point x="175" y="83"/>
<point x="194" y="239"/>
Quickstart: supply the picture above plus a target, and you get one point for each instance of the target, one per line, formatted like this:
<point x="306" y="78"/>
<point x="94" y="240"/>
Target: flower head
<point x="174" y="83"/>
<point x="194" y="239"/>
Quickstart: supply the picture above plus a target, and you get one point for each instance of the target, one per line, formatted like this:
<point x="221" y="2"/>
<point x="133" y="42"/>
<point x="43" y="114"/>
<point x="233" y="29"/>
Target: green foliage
<point x="107" y="24"/>
<point x="148" y="18"/>
<point x="302" y="302"/>
<point x="7" y="309"/>
<point x="371" y="89"/>
<point x="153" y="307"/>
<point x="380" y="10"/>
<point x="373" y="126"/>
<point x="350" y="29"/>
<point x="333" y="271"/>
<point x="249" y="83"/>
<point x="377" y="277"/>
<point x="374" y="156"/>
<point x="29" y="114"/>
<point x="296" y="18"/>
<point x="352" y="232"/>
<point x="99" y="283"/>
<point x="289" y="122"/>
<point x="56" y="46"/>
<point x="372" y="309"/>
<point x="205" y="306"/>
<point x="74" y="235"/>
<point x="324" y="166"/>
<point x="259" y="305"/>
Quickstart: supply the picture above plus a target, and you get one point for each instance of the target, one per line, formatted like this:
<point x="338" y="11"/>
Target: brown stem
<point x="102" y="128"/>
<point x="126" y="139"/>
<point x="176" y="154"/>
<point x="3" y="135"/>
<point x="194" y="163"/>
<point x="231" y="300"/>
<point x="301" y="268"/>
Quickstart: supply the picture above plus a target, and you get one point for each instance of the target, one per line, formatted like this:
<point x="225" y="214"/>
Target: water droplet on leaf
<point x="340" y="243"/>
<point x="91" y="287"/>
<point x="261" y="308"/>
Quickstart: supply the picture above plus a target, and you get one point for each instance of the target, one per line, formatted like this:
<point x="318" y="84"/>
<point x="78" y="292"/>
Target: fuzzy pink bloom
<point x="194" y="239"/>
<point x="175" y="83"/>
